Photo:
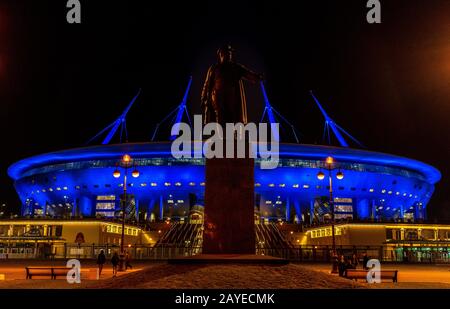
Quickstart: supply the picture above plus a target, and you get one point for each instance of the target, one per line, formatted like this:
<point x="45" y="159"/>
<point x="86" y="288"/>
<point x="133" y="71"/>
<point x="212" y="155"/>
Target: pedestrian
<point x="128" y="261"/>
<point x="354" y="261"/>
<point x="341" y="266"/>
<point x="115" y="262"/>
<point x="365" y="260"/>
<point x="101" y="259"/>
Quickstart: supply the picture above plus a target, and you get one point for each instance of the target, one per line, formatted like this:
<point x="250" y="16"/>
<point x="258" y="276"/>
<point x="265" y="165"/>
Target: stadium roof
<point x="158" y="149"/>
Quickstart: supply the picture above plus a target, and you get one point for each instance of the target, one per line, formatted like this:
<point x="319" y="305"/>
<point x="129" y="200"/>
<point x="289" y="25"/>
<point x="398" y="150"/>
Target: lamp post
<point x="339" y="175"/>
<point x="125" y="162"/>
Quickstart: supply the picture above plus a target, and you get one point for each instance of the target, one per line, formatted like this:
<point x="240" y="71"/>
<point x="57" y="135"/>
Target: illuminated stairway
<point x="187" y="239"/>
<point x="182" y="235"/>
<point x="270" y="241"/>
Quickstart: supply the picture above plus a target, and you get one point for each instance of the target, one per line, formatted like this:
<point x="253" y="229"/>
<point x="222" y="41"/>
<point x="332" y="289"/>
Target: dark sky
<point x="388" y="84"/>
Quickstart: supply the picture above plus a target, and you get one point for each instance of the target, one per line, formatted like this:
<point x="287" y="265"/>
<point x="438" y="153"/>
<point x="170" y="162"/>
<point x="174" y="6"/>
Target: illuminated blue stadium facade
<point x="80" y="182"/>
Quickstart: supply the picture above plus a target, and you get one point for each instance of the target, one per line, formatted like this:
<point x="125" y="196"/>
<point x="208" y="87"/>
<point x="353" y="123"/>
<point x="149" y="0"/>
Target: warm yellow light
<point x="329" y="160"/>
<point x="126" y="158"/>
<point x="129" y="245"/>
<point x="116" y="174"/>
<point x="340" y="175"/>
<point x="320" y="175"/>
<point x="135" y="173"/>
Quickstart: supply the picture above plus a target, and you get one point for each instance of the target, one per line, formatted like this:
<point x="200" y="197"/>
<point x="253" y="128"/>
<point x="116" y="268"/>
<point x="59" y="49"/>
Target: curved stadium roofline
<point x="155" y="149"/>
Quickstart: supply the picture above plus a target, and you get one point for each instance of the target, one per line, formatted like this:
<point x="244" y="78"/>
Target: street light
<point x="339" y="175"/>
<point x="125" y="162"/>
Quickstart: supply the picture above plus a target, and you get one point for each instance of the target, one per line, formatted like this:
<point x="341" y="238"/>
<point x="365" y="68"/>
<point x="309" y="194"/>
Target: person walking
<point x="365" y="260"/>
<point x="354" y="261"/>
<point x="128" y="261"/>
<point x="342" y="266"/>
<point x="115" y="262"/>
<point x="101" y="259"/>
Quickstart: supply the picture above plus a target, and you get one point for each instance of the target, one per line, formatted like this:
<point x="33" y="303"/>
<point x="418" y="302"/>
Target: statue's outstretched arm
<point x="250" y="75"/>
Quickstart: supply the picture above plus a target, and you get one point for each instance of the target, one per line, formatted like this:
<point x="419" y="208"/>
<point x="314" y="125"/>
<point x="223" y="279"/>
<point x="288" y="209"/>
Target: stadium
<point x="73" y="200"/>
<point x="80" y="182"/>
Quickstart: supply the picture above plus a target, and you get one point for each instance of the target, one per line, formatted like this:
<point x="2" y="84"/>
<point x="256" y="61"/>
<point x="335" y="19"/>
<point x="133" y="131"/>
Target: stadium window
<point x="353" y="189"/>
<point x="107" y="185"/>
<point x="364" y="189"/>
<point x="341" y="188"/>
<point x="84" y="186"/>
<point x="153" y="184"/>
<point x="371" y="190"/>
<point x="305" y="186"/>
<point x="96" y="186"/>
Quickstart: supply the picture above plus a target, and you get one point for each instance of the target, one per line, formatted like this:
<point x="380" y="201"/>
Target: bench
<point x="52" y="272"/>
<point x="362" y="274"/>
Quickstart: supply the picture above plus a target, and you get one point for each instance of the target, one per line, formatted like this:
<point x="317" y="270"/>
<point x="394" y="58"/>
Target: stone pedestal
<point x="229" y="226"/>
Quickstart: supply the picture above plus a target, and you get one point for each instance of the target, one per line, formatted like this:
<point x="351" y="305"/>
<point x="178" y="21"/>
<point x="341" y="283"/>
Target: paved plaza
<point x="150" y="274"/>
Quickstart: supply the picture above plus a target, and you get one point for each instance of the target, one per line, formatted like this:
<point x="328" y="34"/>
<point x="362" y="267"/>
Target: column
<point x="311" y="211"/>
<point x="161" y="208"/>
<point x="288" y="210"/>
<point x="136" y="206"/>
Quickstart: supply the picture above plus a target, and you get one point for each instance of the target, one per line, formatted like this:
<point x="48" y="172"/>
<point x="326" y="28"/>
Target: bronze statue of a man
<point x="223" y="97"/>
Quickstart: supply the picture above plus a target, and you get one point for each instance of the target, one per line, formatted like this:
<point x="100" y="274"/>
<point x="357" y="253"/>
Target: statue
<point x="223" y="96"/>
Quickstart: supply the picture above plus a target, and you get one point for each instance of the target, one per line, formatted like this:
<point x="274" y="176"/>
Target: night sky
<point x="388" y="84"/>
